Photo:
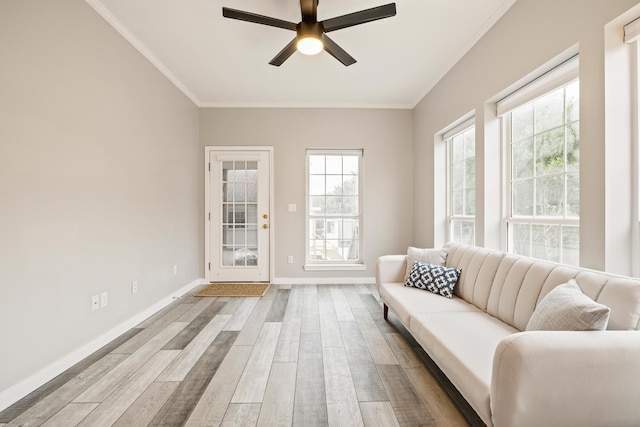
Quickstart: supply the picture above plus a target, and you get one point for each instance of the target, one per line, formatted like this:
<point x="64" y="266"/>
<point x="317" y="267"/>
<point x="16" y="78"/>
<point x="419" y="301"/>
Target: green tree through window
<point x="545" y="180"/>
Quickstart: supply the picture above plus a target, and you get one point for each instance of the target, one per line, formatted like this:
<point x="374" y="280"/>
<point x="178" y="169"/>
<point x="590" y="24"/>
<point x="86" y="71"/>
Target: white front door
<point x="240" y="215"/>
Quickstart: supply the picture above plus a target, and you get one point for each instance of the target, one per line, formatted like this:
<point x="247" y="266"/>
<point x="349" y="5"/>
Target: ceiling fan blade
<point x="309" y="10"/>
<point x="257" y="19"/>
<point x="357" y="18"/>
<point x="336" y="51"/>
<point x="284" y="53"/>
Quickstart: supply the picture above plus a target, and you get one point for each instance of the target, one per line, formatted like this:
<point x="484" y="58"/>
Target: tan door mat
<point x="234" y="290"/>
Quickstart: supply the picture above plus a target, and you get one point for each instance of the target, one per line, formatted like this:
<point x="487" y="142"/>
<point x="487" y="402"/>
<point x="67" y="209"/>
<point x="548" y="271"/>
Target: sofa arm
<point x="391" y="269"/>
<point x="567" y="379"/>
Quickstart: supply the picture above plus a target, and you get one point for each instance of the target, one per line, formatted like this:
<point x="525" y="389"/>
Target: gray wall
<point x="530" y="35"/>
<point x="386" y="137"/>
<point x="100" y="183"/>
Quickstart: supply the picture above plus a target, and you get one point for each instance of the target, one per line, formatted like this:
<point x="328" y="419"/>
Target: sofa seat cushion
<point x="463" y="346"/>
<point x="405" y="301"/>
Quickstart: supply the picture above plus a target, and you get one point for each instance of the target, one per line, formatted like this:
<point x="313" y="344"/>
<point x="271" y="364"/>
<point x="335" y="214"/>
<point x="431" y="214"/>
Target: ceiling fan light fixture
<point x="310" y="45"/>
<point x="311" y="35"/>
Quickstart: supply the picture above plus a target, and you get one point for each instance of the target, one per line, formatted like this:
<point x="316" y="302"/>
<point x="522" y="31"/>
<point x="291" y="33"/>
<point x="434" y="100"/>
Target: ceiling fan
<point x="311" y="35"/>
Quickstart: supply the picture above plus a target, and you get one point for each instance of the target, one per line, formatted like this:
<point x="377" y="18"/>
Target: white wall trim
<point x="313" y="105"/>
<point x="323" y="280"/>
<point x="18" y="391"/>
<point x="144" y="51"/>
<point x="334" y="267"/>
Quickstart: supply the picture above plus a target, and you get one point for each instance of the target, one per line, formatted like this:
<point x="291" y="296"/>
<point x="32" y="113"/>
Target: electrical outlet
<point x="292" y="207"/>
<point x="104" y="299"/>
<point x="95" y="302"/>
<point x="134" y="287"/>
<point x="290" y="259"/>
<point x="175" y="269"/>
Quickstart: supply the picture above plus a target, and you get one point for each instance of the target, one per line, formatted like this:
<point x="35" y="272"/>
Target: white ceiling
<point x="220" y="62"/>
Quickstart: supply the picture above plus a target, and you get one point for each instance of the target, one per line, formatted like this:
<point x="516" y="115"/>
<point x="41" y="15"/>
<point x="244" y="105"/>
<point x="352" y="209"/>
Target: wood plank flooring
<point x="302" y="355"/>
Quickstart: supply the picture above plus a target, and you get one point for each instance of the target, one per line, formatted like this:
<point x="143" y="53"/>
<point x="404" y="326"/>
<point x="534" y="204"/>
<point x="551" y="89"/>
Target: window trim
<point x="311" y="265"/>
<point x="447" y="137"/>
<point x="632" y="38"/>
<point x="632" y="31"/>
<point x="559" y="76"/>
<point x="568" y="76"/>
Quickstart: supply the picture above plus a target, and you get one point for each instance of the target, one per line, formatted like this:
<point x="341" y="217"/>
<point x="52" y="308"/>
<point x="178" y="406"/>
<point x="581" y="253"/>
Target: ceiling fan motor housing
<point x="309" y="29"/>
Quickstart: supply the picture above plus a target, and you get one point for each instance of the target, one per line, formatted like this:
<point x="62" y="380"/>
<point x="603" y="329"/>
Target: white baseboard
<point x="323" y="280"/>
<point x="18" y="391"/>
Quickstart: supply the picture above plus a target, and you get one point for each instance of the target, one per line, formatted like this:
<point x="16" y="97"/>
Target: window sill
<point x="334" y="267"/>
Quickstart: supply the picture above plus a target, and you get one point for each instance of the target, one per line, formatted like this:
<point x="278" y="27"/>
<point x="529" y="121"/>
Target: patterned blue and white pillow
<point x="433" y="278"/>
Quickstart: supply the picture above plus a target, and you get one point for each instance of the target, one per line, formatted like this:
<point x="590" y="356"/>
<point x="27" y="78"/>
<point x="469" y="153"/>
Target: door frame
<point x="207" y="200"/>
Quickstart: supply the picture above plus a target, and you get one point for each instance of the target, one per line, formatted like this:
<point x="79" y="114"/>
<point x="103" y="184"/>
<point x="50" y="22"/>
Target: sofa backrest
<point x="510" y="286"/>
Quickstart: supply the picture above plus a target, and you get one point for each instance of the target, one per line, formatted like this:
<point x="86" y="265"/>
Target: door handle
<point x="265" y="226"/>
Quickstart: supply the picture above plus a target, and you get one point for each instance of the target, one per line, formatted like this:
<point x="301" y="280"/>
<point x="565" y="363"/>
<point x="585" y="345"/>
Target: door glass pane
<point x="252" y="171"/>
<point x="240" y="172"/>
<point x="252" y="192"/>
<point x="252" y="257"/>
<point x="239" y="213"/>
<point x="227" y="192"/>
<point x="252" y="213"/>
<point x="226" y="213"/>
<point x="227" y="256"/>
<point x="252" y="235"/>
<point x="227" y="171"/>
<point x="245" y="256"/>
<point x="240" y="190"/>
<point x="240" y="237"/>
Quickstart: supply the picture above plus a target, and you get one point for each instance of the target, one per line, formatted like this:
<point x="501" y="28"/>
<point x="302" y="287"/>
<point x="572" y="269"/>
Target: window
<point x="544" y="173"/>
<point x="631" y="37"/>
<point x="461" y="157"/>
<point x="334" y="207"/>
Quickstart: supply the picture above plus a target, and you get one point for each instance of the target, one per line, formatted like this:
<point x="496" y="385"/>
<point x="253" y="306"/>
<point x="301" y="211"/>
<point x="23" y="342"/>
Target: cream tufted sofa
<point x="513" y="378"/>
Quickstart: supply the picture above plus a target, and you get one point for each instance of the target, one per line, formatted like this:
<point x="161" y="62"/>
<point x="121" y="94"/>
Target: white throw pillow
<point x="567" y="308"/>
<point x="428" y="256"/>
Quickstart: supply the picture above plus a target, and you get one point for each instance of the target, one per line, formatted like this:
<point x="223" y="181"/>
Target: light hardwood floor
<point x="302" y="355"/>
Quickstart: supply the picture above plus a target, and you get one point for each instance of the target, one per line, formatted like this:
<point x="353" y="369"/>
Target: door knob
<point x="265" y="216"/>
<point x="265" y="226"/>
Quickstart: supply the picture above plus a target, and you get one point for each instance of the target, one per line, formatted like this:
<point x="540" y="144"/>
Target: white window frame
<point x="632" y="37"/>
<point x="448" y="136"/>
<point x="313" y="264"/>
<point x="561" y="76"/>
